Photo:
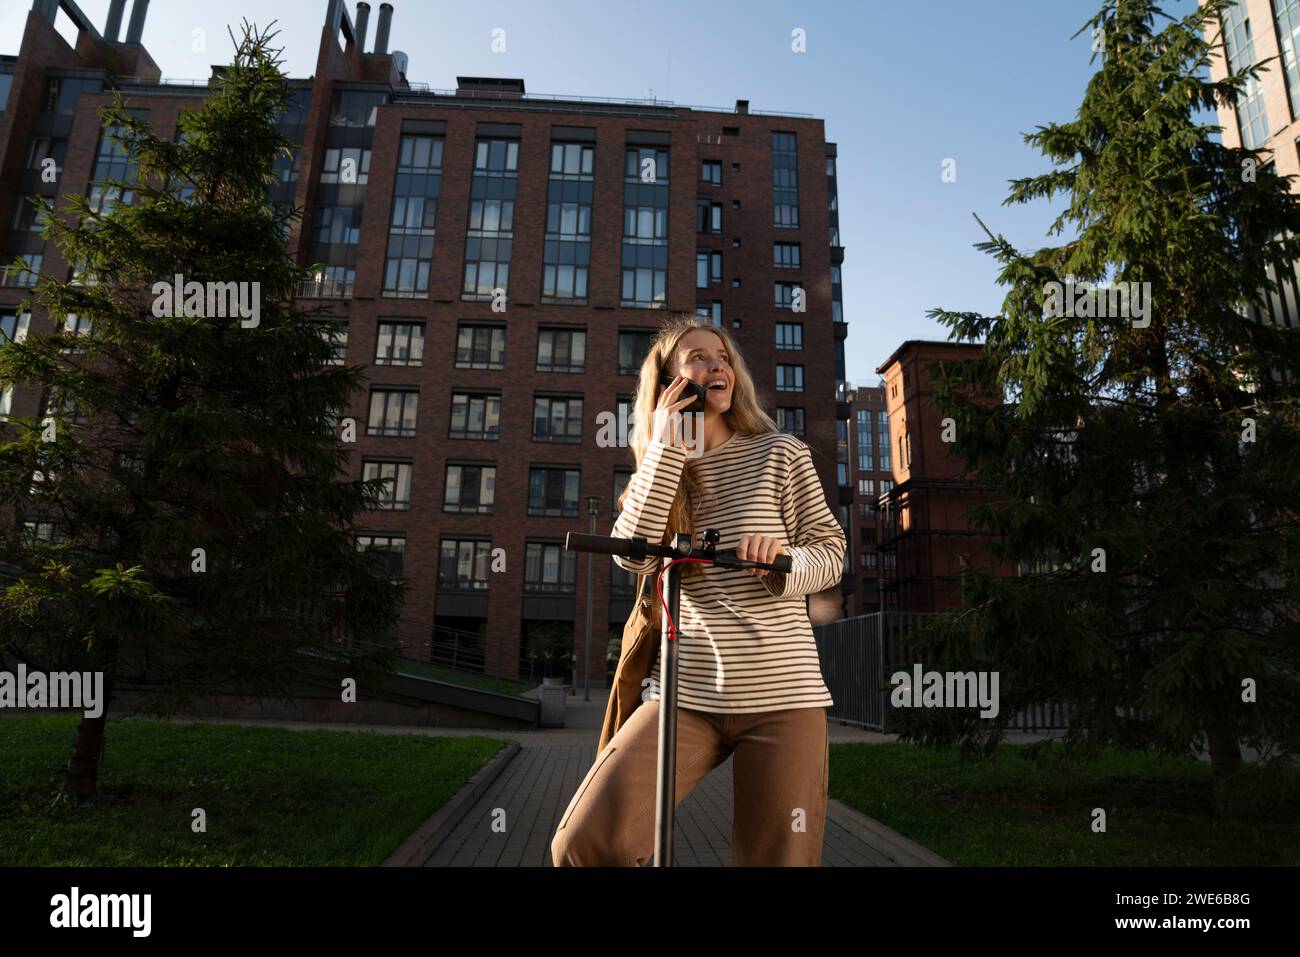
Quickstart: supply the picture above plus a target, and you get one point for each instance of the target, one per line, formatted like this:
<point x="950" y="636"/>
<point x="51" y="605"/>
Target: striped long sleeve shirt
<point x="746" y="642"/>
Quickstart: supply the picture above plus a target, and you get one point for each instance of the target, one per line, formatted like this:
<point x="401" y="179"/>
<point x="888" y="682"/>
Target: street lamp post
<point x="593" y="506"/>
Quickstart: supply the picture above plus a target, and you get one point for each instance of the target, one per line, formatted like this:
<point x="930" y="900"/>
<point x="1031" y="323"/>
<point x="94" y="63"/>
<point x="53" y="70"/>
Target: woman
<point x="749" y="682"/>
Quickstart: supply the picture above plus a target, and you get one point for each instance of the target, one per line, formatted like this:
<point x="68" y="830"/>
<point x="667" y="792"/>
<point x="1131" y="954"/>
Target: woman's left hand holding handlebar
<point x="758" y="548"/>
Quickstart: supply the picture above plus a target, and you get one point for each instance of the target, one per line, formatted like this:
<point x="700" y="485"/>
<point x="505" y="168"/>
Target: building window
<point x="63" y="92"/>
<point x="622" y="583"/>
<point x="337" y="225"/>
<point x="711" y="311"/>
<point x="645" y="228"/>
<point x="1286" y="14"/>
<point x="886" y="486"/>
<point x="868" y="561"/>
<point x="711" y="172"/>
<point x="789" y="378"/>
<point x="1252" y="119"/>
<point x="708" y="268"/>
<point x="785" y="181"/>
<point x="76" y="326"/>
<point x="13" y="327"/>
<point x="480" y="347"/>
<point x="111" y="163"/>
<point x="400" y="344"/>
<point x="882" y="439"/>
<point x="348" y="165"/>
<point x="330" y="282"/>
<point x="397" y="483"/>
<point x="490" y="235"/>
<point x="865" y="457"/>
<point x="463" y="564"/>
<point x="28" y="218"/>
<point x="356" y="108"/>
<point x="61" y="407"/>
<point x="621" y="478"/>
<point x="789" y="335"/>
<point x="866" y="487"/>
<point x="623" y="414"/>
<point x="392" y="412"/>
<point x="633" y="346"/>
<point x="549" y="569"/>
<point x="335" y="332"/>
<point x="46" y="531"/>
<point x="557" y="419"/>
<point x="553" y="491"/>
<point x="785" y="255"/>
<point x="566" y="254"/>
<point x="475" y="416"/>
<point x="390" y="552"/>
<point x="22" y="275"/>
<point x="790" y="420"/>
<point x="470" y="488"/>
<point x="708" y="216"/>
<point x="561" y="350"/>
<point x="411" y="227"/>
<point x="784" y="295"/>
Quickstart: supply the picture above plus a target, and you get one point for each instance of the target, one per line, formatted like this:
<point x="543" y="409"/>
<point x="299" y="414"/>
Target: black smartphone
<point x="692" y="388"/>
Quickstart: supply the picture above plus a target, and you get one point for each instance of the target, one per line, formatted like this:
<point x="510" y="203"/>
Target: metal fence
<point x="859" y="654"/>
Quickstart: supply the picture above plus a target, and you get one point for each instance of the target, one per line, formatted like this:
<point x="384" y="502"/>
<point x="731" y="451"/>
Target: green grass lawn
<point x="486" y="682"/>
<point x="272" y="796"/>
<point x="1008" y="812"/>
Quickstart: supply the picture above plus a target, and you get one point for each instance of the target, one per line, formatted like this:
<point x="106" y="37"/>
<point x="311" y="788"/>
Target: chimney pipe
<point x="363" y="21"/>
<point x="381" y="32"/>
<point x="114" y="25"/>
<point x="136" y="27"/>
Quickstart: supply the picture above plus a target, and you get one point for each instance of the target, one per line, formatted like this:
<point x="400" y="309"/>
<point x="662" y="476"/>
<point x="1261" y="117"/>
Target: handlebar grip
<point x="579" y="542"/>
<point x="783" y="564"/>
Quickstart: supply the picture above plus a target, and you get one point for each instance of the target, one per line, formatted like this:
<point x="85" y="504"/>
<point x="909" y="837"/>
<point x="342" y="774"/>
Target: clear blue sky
<point x="901" y="86"/>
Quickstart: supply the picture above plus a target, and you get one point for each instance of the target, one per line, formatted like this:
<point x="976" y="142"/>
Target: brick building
<point x="866" y="475"/>
<point x="925" y="539"/>
<point x="418" y="203"/>
<point x="1267" y="116"/>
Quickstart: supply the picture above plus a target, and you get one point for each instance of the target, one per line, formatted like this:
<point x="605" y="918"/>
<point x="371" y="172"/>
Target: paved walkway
<point x="535" y="784"/>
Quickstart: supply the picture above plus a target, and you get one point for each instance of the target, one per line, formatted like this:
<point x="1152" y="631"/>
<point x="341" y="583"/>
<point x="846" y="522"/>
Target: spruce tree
<point x="1149" y="460"/>
<point x="192" y="460"/>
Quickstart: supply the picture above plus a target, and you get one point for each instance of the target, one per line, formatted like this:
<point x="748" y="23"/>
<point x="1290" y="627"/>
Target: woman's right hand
<point x="667" y="428"/>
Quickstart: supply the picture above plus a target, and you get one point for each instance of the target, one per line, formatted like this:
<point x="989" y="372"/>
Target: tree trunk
<point x="82" y="776"/>
<point x="1225" y="761"/>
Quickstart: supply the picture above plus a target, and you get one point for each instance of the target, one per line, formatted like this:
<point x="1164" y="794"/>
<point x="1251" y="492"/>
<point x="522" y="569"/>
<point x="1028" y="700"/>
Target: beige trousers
<point x="780" y="772"/>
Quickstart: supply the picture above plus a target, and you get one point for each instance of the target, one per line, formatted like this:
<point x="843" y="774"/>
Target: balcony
<point x="324" y="289"/>
<point x="843" y="396"/>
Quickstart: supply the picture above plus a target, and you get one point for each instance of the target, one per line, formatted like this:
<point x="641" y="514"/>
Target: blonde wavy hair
<point x="745" y="416"/>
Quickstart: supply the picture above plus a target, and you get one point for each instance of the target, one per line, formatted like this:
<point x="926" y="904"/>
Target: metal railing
<point x="858" y="656"/>
<point x="324" y="289"/>
<point x="417" y="87"/>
